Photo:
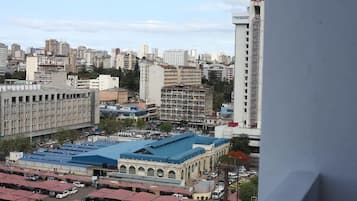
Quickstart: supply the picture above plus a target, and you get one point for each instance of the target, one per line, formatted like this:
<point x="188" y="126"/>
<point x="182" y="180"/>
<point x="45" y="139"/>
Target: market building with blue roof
<point x="180" y="157"/>
<point x="172" y="160"/>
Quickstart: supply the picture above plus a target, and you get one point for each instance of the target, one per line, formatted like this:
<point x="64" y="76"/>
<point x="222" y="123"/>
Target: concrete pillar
<point x="310" y="96"/>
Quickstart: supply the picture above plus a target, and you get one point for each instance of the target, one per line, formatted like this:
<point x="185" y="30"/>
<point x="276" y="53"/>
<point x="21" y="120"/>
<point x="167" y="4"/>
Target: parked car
<point x="32" y="177"/>
<point x="78" y="184"/>
<point x="62" y="195"/>
<point x="73" y="191"/>
<point x="214" y="174"/>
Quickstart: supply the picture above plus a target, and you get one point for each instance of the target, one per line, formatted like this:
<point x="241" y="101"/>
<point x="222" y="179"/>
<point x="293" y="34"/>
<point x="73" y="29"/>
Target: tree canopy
<point x="222" y="92"/>
<point x="18" y="144"/>
<point x="166" y="127"/>
<point x="240" y="143"/>
<point x="249" y="189"/>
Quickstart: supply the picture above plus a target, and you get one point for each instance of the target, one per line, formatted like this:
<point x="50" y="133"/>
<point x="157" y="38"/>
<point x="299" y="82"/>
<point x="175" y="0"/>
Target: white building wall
<point x="3" y="57"/>
<point x="31" y="67"/>
<point x="248" y="66"/>
<point x="176" y="57"/>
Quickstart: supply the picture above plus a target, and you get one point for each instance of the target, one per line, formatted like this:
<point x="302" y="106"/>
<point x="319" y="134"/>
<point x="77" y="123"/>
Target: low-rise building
<point x="35" y="110"/>
<point x="102" y="82"/>
<point x="181" y="157"/>
<point x="113" y="96"/>
<point x="186" y="103"/>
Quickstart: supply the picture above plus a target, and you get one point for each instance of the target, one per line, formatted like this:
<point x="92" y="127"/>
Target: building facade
<point x="182" y="157"/>
<point x="218" y="72"/>
<point x="126" y="61"/>
<point x="3" y="58"/>
<point x="113" y="96"/>
<point x="32" y="110"/>
<point x="186" y="103"/>
<point x="176" y="57"/>
<point x="153" y="77"/>
<point x="249" y="66"/>
<point x="102" y="82"/>
<point x="44" y="63"/>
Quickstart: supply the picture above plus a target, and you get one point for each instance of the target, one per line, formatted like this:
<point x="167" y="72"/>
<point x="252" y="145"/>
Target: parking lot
<point x="81" y="194"/>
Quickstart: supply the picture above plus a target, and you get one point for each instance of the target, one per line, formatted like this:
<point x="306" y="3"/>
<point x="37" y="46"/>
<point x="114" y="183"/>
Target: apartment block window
<point x="245" y="109"/>
<point x="247" y="26"/>
<point x="247" y="46"/>
<point x="13" y="99"/>
<point x="247" y="39"/>
<point x="20" y="99"/>
<point x="246" y="78"/>
<point x="246" y="58"/>
<point x="27" y="99"/>
<point x="246" y="71"/>
<point x="246" y="52"/>
<point x="33" y="98"/>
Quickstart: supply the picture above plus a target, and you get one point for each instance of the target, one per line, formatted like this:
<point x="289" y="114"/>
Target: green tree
<point x="18" y="144"/>
<point x="240" y="143"/>
<point x="127" y="123"/>
<point x="166" y="127"/>
<point x="248" y="189"/>
<point x="62" y="136"/>
<point x="140" y="123"/>
<point x="110" y="125"/>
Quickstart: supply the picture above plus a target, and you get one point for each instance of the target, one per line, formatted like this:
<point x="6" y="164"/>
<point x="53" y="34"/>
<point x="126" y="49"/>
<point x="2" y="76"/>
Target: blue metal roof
<point x="109" y="155"/>
<point x="64" y="154"/>
<point x="175" y="149"/>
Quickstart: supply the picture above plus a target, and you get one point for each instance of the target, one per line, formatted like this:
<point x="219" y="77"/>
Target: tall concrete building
<point x="45" y="63"/>
<point x="248" y="66"/>
<point x="63" y="49"/>
<point x="51" y="46"/>
<point x="126" y="61"/>
<point x="15" y="47"/>
<point x="3" y="58"/>
<point x="155" y="52"/>
<point x="34" y="110"/>
<point x="113" y="57"/>
<point x="176" y="57"/>
<point x="144" y="50"/>
<point x="154" y="77"/>
<point x="186" y="103"/>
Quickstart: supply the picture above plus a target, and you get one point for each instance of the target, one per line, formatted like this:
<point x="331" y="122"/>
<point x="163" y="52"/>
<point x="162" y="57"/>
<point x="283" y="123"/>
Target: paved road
<point x="82" y="193"/>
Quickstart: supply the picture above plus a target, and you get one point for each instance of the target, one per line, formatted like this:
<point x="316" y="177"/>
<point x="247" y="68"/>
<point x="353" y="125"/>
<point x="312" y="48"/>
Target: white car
<point x="78" y="184"/>
<point x="73" y="191"/>
<point x="214" y="174"/>
<point x="62" y="195"/>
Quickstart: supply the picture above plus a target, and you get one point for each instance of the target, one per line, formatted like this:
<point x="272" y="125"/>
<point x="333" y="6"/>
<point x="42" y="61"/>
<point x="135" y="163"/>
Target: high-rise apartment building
<point x="144" y="50"/>
<point x="3" y="58"/>
<point x="126" y="61"/>
<point x="113" y="58"/>
<point x="155" y="52"/>
<point x="176" y="57"/>
<point x="186" y="103"/>
<point x="34" y="110"/>
<point x="51" y="46"/>
<point x="45" y="63"/>
<point x="248" y="66"/>
<point x="153" y="77"/>
<point x="63" y="49"/>
<point x="15" y="47"/>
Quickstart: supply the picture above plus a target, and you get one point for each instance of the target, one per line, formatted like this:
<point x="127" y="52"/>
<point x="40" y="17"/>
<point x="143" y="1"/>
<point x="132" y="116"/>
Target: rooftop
<point x="175" y="149"/>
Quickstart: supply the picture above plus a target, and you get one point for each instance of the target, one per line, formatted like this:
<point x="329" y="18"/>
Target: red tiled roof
<point x="130" y="196"/>
<point x="82" y="179"/>
<point x="118" y="184"/>
<point x="112" y="194"/>
<point x="143" y="196"/>
<point x="55" y="186"/>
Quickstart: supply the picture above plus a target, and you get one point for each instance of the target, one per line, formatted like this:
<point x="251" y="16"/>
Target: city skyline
<point x="112" y="24"/>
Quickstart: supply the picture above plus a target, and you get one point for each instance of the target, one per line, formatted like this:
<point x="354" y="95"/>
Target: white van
<point x="218" y="193"/>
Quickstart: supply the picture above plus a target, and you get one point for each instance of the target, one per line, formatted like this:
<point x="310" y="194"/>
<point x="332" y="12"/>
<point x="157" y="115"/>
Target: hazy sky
<point x="204" y="25"/>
